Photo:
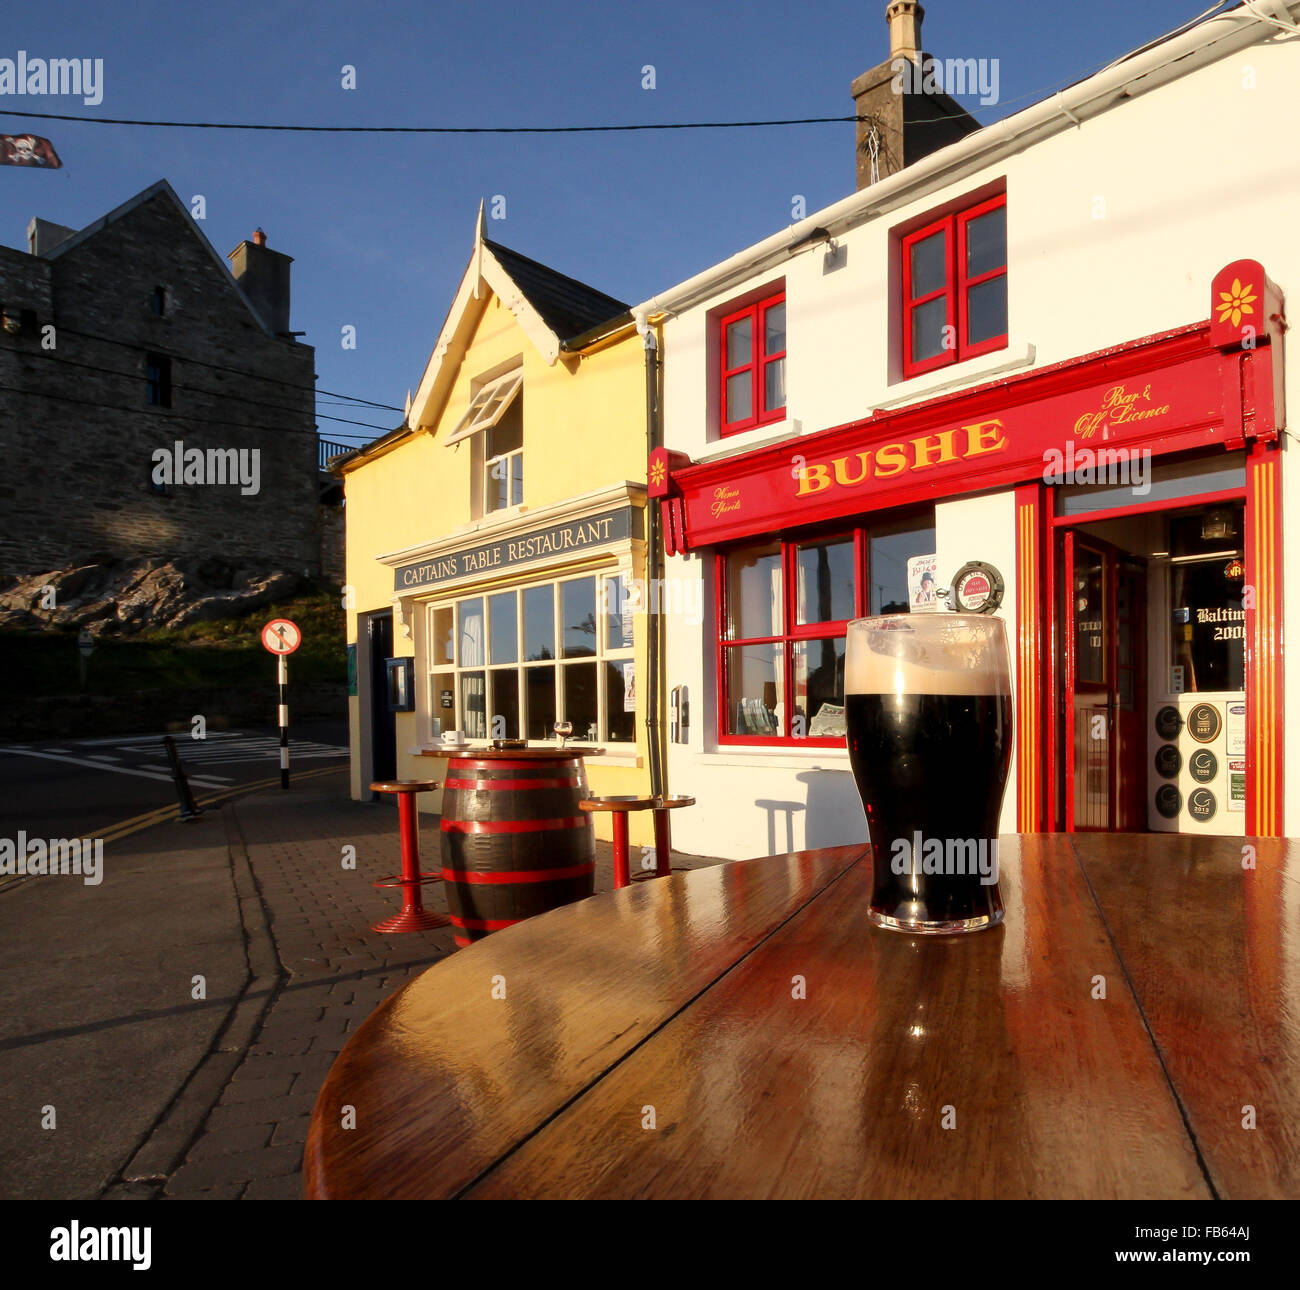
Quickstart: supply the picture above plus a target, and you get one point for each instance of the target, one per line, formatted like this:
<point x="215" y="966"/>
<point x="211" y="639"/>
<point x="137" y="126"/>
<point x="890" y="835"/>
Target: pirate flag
<point x="28" y="150"/>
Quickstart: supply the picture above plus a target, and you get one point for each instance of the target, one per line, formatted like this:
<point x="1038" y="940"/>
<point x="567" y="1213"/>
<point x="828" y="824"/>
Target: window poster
<point x="629" y="687"/>
<point x="922" y="584"/>
<point x="1236" y="728"/>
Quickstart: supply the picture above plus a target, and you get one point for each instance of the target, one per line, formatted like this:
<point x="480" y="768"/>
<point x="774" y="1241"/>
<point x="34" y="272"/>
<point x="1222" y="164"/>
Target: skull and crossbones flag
<point x="28" y="150"/>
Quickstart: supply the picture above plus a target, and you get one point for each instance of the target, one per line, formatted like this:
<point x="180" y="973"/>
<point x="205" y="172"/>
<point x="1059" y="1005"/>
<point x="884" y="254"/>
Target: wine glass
<point x="563" y="730"/>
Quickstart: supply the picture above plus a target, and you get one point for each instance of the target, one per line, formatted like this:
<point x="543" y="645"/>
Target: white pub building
<point x="1041" y="368"/>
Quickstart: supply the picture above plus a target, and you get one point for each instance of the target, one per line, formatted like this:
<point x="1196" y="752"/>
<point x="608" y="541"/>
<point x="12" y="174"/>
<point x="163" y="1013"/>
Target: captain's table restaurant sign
<point x="570" y="539"/>
<point x="1072" y="422"/>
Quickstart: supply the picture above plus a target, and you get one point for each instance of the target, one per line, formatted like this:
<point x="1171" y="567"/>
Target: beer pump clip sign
<point x="977" y="588"/>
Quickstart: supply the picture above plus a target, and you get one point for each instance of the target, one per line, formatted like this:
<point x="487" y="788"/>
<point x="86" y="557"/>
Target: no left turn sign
<point x="281" y="636"/>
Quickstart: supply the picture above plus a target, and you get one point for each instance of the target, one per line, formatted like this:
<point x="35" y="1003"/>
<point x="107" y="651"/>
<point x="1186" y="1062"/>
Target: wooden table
<point x="741" y="1031"/>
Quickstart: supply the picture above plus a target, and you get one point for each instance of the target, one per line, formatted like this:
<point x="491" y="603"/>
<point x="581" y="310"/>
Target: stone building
<point x="120" y="342"/>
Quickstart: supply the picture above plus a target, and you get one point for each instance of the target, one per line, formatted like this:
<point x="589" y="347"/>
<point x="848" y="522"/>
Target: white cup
<point x="453" y="738"/>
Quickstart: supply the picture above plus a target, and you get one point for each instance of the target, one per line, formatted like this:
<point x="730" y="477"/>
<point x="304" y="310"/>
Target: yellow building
<point x="497" y="539"/>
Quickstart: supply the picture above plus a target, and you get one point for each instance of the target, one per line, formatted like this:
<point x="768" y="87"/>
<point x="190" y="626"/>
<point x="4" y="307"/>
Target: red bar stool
<point x="413" y="916"/>
<point x="618" y="806"/>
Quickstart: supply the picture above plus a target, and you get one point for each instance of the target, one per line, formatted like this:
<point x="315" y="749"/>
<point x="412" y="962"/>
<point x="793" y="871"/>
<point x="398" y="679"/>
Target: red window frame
<point x="792" y="633"/>
<point x="955" y="289"/>
<point x="759" y="361"/>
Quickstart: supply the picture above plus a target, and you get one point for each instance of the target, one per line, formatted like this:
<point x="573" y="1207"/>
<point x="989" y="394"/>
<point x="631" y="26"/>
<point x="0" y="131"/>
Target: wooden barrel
<point x="514" y="842"/>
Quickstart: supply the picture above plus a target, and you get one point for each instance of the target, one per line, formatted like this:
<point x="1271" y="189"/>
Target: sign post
<point x="281" y="638"/>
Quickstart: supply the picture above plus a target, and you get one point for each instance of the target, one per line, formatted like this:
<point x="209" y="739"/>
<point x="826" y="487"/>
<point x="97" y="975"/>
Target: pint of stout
<point x="928" y="714"/>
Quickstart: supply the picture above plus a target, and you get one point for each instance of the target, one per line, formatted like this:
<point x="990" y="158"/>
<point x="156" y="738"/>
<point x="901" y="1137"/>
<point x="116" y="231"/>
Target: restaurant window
<point x="783" y="613"/>
<point x="1207" y="616"/>
<point x="510" y="664"/>
<point x="751" y="347"/>
<point x="955" y="287"/>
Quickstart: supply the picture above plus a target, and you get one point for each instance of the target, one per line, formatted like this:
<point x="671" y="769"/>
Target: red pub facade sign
<point x="1215" y="383"/>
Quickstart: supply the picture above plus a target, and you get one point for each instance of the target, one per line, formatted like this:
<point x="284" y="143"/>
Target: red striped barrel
<point x="514" y="842"/>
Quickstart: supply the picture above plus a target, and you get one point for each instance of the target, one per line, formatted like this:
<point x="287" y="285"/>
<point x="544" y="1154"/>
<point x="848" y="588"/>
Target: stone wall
<point x="77" y="441"/>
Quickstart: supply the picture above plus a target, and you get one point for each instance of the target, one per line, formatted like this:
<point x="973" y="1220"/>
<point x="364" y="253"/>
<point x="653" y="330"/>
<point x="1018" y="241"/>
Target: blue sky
<point x="381" y="226"/>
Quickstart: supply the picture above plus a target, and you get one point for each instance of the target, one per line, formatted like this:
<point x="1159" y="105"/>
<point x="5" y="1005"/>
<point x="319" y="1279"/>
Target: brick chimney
<point x="263" y="275"/>
<point x="899" y="123"/>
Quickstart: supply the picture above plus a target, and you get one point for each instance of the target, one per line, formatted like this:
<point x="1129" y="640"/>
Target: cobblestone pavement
<point x="317" y="972"/>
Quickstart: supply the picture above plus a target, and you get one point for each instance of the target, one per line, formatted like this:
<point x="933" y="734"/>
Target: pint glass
<point x="928" y="719"/>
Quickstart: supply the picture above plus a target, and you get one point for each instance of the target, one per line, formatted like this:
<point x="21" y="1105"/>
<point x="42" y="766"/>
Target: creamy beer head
<point x="939" y="653"/>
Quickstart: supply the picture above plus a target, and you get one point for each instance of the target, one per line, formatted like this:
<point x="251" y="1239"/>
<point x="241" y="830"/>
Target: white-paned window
<point x="510" y="664"/>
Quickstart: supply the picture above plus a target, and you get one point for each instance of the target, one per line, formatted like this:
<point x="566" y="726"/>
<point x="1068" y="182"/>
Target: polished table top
<point x="741" y="1031"/>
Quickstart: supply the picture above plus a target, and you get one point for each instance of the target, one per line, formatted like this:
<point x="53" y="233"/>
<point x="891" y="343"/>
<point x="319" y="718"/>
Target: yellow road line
<point x="166" y="814"/>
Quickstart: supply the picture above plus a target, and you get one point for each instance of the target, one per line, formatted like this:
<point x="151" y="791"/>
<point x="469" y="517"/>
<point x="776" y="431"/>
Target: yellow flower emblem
<point x="1236" y="302"/>
<point x="657" y="471"/>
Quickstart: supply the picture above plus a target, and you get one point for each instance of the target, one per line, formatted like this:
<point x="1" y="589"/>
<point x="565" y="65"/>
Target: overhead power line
<point x="437" y="129"/>
<point x="169" y="414"/>
<point x="233" y="371"/>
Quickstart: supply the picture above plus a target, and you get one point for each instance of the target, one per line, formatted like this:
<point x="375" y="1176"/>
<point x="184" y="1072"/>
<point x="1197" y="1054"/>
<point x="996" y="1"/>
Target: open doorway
<point x="1153" y="670"/>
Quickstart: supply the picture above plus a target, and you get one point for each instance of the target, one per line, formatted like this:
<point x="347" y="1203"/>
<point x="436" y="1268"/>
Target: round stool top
<point x="616" y="803"/>
<point x="671" y="803"/>
<point x="403" y="785"/>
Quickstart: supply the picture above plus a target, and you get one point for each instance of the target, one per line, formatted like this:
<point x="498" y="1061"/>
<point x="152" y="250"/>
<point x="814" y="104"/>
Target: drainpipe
<point x="654" y="573"/>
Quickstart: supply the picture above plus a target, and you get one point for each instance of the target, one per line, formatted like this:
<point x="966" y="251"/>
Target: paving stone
<point x="256" y="1090"/>
<point x="286" y="1187"/>
<point x="291" y="1132"/>
<point x="269" y="1111"/>
<point x="236" y="1167"/>
<point x="229" y="1141"/>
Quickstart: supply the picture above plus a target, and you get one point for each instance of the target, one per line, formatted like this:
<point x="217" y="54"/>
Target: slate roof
<point x="568" y="307"/>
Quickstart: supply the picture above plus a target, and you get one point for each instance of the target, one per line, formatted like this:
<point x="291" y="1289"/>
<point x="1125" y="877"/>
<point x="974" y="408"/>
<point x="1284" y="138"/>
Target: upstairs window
<point x="503" y="474"/>
<point x="955" y="287"/>
<point x="751" y="345"/>
<point x="488" y="405"/>
<point x="158" y="301"/>
<point x="494" y="421"/>
<point x="158" y="380"/>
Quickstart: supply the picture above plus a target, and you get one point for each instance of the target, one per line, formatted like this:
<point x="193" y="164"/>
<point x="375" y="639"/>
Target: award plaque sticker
<point x="1169" y="761"/>
<point x="1169" y="801"/>
<point x="1168" y="722"/>
<point x="1236" y="786"/>
<point x="1203" y="765"/>
<point x="1201" y="804"/>
<point x="1204" y="723"/>
<point x="977" y="588"/>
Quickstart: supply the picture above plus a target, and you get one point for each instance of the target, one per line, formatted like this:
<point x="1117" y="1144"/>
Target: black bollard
<point x="189" y="810"/>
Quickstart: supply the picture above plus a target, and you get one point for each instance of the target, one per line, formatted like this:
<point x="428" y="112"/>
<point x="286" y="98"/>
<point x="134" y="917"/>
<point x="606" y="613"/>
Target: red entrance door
<point x="1104" y="605"/>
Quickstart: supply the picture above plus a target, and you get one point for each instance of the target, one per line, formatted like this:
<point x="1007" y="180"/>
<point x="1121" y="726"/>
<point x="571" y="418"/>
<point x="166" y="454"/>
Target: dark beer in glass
<point x="928" y="717"/>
